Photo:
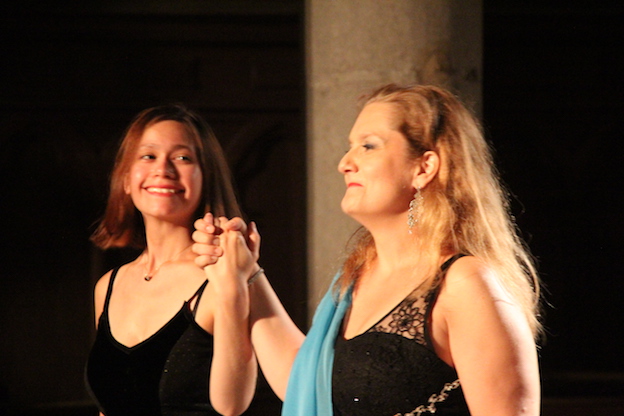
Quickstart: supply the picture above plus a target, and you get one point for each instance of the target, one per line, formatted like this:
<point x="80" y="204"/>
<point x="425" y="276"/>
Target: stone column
<point x="352" y="46"/>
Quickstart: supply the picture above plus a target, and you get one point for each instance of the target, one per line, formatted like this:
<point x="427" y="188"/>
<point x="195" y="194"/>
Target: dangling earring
<point x="414" y="211"/>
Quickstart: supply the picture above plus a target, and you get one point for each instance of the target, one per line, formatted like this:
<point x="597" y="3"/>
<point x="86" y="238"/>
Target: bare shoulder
<point x="470" y="279"/>
<point x="102" y="285"/>
<point x="473" y="289"/>
<point x="99" y="293"/>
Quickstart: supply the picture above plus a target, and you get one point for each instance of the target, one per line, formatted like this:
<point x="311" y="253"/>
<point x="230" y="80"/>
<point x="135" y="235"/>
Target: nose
<point x="346" y="163"/>
<point x="164" y="167"/>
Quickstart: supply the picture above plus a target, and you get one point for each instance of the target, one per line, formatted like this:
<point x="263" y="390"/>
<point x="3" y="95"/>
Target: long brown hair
<point x="465" y="208"/>
<point x="122" y="224"/>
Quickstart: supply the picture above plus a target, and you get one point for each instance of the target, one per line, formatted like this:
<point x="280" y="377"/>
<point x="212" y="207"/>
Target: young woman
<point x="435" y="309"/>
<point x="164" y="335"/>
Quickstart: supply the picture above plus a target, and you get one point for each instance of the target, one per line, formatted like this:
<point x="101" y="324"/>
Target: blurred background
<point x="73" y="75"/>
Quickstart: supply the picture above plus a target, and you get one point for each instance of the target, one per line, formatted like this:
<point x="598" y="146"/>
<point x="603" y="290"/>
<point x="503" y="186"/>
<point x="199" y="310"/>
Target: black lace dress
<point x="392" y="368"/>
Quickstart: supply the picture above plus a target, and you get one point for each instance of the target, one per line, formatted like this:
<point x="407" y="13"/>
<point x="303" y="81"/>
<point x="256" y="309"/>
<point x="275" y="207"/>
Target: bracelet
<point x="255" y="276"/>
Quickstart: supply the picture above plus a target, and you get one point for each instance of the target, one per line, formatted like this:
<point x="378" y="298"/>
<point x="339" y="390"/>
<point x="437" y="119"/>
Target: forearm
<point x="234" y="368"/>
<point x="276" y="338"/>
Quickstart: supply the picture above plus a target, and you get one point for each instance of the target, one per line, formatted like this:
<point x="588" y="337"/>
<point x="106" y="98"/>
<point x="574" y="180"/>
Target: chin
<point x="345" y="208"/>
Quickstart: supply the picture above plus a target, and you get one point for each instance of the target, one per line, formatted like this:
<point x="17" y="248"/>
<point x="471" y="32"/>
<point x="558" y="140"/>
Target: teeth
<point x="162" y="190"/>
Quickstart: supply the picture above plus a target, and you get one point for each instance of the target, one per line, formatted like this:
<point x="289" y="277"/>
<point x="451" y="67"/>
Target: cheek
<point x="197" y="179"/>
<point x="130" y="180"/>
<point x="196" y="185"/>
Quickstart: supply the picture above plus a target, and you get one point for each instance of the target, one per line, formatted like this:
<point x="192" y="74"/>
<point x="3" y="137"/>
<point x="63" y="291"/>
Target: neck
<point x="165" y="242"/>
<point x="394" y="252"/>
<point x="395" y="246"/>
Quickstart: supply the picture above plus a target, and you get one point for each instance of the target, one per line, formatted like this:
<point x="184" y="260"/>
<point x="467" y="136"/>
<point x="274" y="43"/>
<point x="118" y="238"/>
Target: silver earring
<point x="414" y="211"/>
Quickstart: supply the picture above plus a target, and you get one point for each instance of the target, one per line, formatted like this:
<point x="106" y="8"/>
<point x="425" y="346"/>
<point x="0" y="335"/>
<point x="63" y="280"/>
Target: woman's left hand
<point x="206" y="238"/>
<point x="228" y="246"/>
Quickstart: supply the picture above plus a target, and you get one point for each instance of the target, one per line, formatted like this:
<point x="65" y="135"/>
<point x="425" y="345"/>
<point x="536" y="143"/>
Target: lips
<point x="163" y="190"/>
<point x="353" y="184"/>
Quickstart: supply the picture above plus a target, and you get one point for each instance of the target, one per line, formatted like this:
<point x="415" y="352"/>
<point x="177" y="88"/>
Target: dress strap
<point x="449" y="262"/>
<point x="433" y="296"/>
<point x="198" y="294"/>
<point x="109" y="291"/>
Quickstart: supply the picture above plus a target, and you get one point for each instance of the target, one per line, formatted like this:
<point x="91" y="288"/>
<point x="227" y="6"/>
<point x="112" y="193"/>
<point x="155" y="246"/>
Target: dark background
<point x="73" y="75"/>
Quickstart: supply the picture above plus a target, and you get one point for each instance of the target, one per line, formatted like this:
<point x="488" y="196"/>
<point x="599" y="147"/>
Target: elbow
<point x="232" y="410"/>
<point x="232" y="403"/>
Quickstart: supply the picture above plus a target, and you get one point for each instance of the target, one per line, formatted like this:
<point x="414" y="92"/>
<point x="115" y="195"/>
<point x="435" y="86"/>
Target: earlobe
<point x="427" y="168"/>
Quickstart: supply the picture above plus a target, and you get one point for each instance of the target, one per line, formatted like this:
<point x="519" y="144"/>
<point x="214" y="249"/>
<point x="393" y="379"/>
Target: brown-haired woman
<point x="154" y="351"/>
<point x="435" y="309"/>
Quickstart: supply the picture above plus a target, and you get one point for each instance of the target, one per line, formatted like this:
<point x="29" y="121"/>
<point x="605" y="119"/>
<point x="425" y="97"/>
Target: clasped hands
<point x="226" y="248"/>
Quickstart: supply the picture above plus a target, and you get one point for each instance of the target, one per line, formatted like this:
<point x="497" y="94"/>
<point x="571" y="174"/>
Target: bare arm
<point x="485" y="335"/>
<point x="233" y="373"/>
<point x="234" y="368"/>
<point x="276" y="339"/>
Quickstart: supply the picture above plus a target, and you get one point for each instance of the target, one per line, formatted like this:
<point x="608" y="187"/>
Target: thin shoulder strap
<point x="440" y="277"/>
<point x="433" y="296"/>
<point x="109" y="291"/>
<point x="449" y="262"/>
<point x="198" y="294"/>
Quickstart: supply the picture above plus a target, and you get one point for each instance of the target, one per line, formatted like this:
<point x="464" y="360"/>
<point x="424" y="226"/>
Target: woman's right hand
<point x="213" y="236"/>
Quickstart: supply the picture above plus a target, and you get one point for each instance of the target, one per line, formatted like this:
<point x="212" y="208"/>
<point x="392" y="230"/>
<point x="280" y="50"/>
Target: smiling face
<point x="378" y="173"/>
<point x="165" y="178"/>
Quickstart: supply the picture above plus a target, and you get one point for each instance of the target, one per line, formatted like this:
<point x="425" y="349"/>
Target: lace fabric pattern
<point x="392" y="366"/>
<point x="407" y="319"/>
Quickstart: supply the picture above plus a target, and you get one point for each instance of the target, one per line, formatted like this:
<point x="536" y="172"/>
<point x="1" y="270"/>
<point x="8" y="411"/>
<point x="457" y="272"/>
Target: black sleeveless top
<point x="392" y="368"/>
<point x="167" y="374"/>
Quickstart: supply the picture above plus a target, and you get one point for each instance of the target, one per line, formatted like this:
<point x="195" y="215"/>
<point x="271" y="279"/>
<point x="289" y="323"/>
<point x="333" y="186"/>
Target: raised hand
<point x="214" y="237"/>
<point x="228" y="251"/>
<point x="206" y="238"/>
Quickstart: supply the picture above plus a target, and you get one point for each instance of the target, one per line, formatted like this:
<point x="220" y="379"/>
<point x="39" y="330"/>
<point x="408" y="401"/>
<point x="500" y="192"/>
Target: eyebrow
<point x="374" y="136"/>
<point x="176" y="147"/>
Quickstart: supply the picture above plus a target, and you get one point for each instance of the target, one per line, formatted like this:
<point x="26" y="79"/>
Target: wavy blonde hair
<point x="465" y="208"/>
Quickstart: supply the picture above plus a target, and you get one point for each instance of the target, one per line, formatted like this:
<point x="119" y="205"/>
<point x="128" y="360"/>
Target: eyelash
<point x="365" y="146"/>
<point x="183" y="158"/>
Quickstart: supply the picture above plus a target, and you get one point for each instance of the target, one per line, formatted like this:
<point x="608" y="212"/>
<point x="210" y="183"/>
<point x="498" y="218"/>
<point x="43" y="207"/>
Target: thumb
<point x="254" y="239"/>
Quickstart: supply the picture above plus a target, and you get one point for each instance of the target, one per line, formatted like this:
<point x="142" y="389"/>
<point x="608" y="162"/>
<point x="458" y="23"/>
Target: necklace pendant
<point x="147" y="277"/>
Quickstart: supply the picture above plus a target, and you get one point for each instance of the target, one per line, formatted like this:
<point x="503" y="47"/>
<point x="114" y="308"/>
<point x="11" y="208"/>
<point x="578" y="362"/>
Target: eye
<point x="147" y="156"/>
<point x="183" y="158"/>
<point x="368" y="146"/>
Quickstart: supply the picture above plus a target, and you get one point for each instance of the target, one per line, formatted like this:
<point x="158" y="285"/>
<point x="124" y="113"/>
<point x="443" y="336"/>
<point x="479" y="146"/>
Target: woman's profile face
<point x="377" y="171"/>
<point x="165" y="177"/>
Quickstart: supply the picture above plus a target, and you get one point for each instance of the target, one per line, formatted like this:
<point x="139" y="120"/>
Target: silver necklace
<point x="149" y="275"/>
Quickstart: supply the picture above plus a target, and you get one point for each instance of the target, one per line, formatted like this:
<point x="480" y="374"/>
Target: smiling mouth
<point x="162" y="190"/>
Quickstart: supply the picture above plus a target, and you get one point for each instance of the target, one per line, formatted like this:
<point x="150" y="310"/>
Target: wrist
<point x="255" y="276"/>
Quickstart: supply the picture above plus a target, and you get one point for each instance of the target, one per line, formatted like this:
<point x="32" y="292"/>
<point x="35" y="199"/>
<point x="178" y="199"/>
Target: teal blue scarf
<point x="309" y="391"/>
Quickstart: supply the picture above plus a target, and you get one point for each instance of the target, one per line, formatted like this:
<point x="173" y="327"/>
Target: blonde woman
<point x="436" y="308"/>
